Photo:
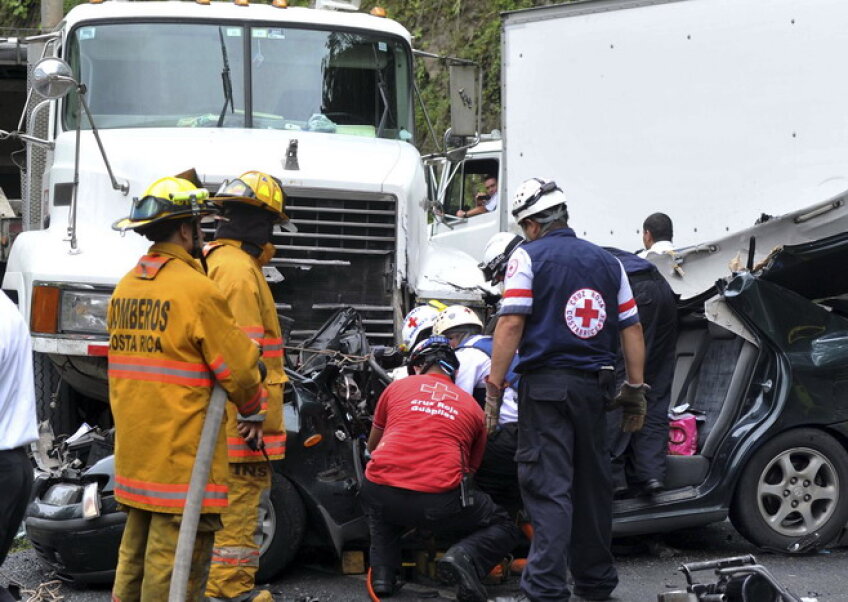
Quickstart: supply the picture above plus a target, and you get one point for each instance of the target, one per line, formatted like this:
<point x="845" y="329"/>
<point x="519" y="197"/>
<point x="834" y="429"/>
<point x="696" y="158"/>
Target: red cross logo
<point x="587" y="313"/>
<point x="412" y="322"/>
<point x="439" y="392"/>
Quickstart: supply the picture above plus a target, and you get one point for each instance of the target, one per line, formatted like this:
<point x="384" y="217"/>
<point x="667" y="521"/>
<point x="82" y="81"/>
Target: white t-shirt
<point x="474" y="366"/>
<point x="492" y="203"/>
<point x="18" y="424"/>
<point x="661" y="246"/>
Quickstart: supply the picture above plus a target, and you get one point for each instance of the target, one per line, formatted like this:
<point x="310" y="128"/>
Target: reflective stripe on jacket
<point x="172" y="337"/>
<point x="239" y="276"/>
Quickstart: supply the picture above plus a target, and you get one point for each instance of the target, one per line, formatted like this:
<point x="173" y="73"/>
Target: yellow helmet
<point x="166" y="198"/>
<point x="254" y="188"/>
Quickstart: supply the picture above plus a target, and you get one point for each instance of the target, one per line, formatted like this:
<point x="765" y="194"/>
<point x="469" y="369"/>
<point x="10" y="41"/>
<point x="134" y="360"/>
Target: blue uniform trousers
<point x="564" y="474"/>
<point x="640" y="456"/>
<point x="498" y="474"/>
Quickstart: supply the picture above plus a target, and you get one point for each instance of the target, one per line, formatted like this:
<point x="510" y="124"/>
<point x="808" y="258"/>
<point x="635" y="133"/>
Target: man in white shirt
<point x="486" y="201"/>
<point x="657" y="233"/>
<point x="18" y="427"/>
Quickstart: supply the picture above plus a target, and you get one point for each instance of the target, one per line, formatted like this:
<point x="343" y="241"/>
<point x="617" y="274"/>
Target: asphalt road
<point x="647" y="566"/>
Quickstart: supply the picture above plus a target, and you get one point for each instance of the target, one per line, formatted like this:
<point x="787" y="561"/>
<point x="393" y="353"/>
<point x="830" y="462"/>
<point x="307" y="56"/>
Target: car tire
<point x="283" y="527"/>
<point x="794" y="487"/>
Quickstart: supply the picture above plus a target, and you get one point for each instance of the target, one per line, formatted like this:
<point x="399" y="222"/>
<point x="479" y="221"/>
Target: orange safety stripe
<point x="149" y="265"/>
<point x="159" y="370"/>
<point x="272" y="347"/>
<point x="254" y="332"/>
<point x="238" y="448"/>
<point x="236" y="561"/>
<point x="220" y="368"/>
<point x="167" y="494"/>
<point x="254" y="404"/>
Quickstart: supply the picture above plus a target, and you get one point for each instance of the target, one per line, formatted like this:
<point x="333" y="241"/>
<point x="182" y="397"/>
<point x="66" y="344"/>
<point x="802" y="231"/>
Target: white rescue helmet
<point x="453" y="316"/>
<point x="417" y="326"/>
<point x="496" y="255"/>
<point x="534" y="196"/>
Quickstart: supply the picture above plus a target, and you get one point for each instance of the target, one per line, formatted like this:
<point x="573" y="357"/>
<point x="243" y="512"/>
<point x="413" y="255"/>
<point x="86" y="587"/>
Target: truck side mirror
<point x="465" y="92"/>
<point x="53" y="78"/>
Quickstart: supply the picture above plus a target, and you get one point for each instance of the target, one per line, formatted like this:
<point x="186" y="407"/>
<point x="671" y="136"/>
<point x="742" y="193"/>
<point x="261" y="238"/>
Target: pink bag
<point x="682" y="435"/>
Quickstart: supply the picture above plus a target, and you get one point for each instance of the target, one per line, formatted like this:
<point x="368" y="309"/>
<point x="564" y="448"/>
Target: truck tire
<point x="794" y="487"/>
<point x="46" y="386"/>
<point x="282" y="529"/>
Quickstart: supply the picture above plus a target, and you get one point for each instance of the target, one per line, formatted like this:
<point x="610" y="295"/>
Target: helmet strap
<point x="197" y="245"/>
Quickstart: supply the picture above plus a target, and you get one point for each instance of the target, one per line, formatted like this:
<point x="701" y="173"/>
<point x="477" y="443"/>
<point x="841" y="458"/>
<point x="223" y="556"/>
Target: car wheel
<point x="795" y="486"/>
<point x="283" y="526"/>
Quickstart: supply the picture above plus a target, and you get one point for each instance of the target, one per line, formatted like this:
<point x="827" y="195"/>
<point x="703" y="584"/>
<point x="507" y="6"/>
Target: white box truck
<point x="719" y="113"/>
<point x="727" y="115"/>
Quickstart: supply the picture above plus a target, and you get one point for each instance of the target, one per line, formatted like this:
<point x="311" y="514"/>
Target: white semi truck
<point x="322" y="98"/>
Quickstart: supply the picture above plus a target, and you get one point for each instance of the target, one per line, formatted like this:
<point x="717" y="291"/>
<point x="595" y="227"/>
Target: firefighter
<point x="172" y="337"/>
<point x="251" y="205"/>
<point x="566" y="303"/>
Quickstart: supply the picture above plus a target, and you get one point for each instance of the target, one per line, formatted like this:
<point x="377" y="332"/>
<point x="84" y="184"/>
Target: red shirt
<point x="433" y="433"/>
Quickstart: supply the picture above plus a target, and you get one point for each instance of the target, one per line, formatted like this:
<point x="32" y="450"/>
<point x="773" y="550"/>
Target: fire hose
<point x="196" y="489"/>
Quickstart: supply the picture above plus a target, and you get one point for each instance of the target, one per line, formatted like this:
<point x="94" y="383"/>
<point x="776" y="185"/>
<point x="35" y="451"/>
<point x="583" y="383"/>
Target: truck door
<point x="468" y="234"/>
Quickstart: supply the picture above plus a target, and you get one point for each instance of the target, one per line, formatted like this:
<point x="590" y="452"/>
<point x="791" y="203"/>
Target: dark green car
<point x="762" y="359"/>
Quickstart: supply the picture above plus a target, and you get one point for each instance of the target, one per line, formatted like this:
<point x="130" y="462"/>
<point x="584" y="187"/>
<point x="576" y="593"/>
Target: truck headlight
<point x="83" y="312"/>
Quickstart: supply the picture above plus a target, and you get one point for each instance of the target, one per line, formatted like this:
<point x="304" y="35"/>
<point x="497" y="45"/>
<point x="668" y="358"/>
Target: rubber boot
<point x="383" y="581"/>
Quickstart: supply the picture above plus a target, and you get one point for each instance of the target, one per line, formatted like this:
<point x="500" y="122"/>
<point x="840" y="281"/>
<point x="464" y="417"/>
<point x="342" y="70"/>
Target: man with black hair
<point x="427" y="437"/>
<point x="484" y="202"/>
<point x="657" y="233"/>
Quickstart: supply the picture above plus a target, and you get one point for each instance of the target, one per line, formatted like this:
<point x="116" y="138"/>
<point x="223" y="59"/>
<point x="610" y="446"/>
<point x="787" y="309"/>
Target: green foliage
<point x="469" y="29"/>
<point x="18" y="13"/>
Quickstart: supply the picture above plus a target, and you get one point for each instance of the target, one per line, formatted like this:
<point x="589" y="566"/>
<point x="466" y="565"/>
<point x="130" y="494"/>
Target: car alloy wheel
<point x="794" y="487"/>
<point x="798" y="491"/>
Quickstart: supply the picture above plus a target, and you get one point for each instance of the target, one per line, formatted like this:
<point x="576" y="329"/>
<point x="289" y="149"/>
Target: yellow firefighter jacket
<point x="239" y="276"/>
<point x="171" y="337"/>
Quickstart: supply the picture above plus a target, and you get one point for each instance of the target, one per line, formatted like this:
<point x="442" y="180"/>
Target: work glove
<point x="632" y="399"/>
<point x="494" y="398"/>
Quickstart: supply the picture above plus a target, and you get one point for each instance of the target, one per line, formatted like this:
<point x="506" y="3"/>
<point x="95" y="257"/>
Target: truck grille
<point x="342" y="254"/>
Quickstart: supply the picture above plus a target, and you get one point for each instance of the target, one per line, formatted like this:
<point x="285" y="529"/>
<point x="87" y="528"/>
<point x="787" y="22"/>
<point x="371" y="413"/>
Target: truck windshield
<point x="144" y="75"/>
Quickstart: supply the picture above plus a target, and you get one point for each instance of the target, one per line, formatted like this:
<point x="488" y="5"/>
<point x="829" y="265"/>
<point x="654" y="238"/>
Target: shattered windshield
<point x="142" y="75"/>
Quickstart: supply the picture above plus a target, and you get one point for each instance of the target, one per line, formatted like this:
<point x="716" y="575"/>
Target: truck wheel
<point x="48" y="390"/>
<point x="283" y="526"/>
<point x="795" y="486"/>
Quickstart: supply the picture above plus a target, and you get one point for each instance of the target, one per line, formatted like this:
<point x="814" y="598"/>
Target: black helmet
<point x="434" y="350"/>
